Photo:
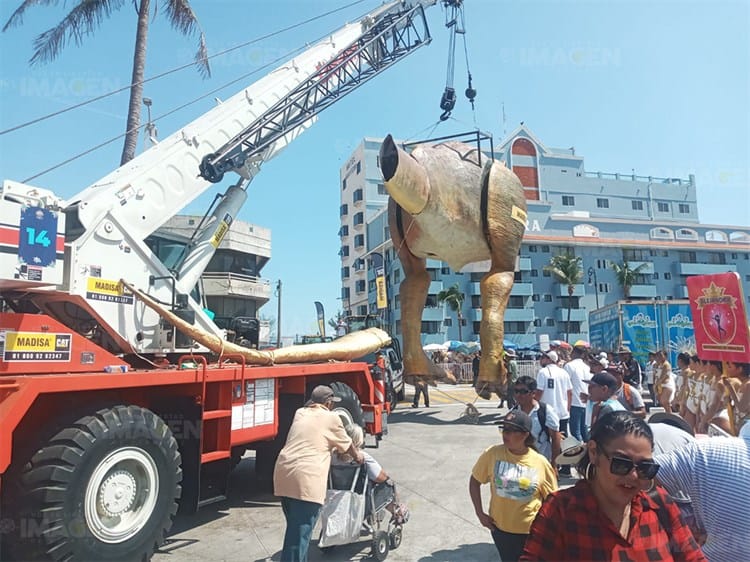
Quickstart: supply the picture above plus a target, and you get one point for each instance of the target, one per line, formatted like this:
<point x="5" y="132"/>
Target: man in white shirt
<point x="554" y="388"/>
<point x="579" y="373"/>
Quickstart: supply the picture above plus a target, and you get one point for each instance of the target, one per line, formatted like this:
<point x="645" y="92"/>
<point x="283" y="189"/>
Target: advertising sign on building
<point x="382" y="296"/>
<point x="718" y="306"/>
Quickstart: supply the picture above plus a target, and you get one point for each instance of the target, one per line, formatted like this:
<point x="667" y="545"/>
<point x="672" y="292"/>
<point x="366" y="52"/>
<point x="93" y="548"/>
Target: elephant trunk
<point x="405" y="179"/>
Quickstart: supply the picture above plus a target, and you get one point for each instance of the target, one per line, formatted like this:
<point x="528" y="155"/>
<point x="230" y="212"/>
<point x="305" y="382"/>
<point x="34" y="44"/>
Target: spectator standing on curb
<point x="545" y="425"/>
<point x="627" y="394"/>
<point x="648" y="375"/>
<point x="511" y="366"/>
<point x="554" y="388"/>
<point x="579" y="373"/>
<point x="715" y="473"/>
<point x="632" y="375"/>
<point x="475" y="368"/>
<point x="301" y="472"/>
<point x="421" y="387"/>
<point x="602" y="399"/>
<point x="519" y="479"/>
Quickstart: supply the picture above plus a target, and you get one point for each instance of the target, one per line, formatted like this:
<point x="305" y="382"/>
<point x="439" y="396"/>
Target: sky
<point x="660" y="88"/>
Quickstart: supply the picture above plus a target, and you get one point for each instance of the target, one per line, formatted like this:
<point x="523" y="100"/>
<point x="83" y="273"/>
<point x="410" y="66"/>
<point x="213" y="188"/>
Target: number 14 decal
<point x="33" y="237"/>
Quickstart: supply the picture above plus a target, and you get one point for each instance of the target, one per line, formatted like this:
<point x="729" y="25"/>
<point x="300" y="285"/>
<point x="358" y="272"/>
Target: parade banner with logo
<point x="604" y="328"/>
<point x="680" y="330"/>
<point x="718" y="307"/>
<point x="640" y="330"/>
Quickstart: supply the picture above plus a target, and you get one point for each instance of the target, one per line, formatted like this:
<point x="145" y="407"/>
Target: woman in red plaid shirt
<point x="616" y="513"/>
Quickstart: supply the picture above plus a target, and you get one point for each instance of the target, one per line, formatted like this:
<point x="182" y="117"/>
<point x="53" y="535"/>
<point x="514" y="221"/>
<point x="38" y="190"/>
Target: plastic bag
<point x="341" y="517"/>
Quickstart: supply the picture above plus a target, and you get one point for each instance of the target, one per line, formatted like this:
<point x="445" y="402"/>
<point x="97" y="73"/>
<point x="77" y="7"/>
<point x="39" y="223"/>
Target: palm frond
<point x="16" y="17"/>
<point x="183" y="19"/>
<point x="566" y="269"/>
<point x="81" y="21"/>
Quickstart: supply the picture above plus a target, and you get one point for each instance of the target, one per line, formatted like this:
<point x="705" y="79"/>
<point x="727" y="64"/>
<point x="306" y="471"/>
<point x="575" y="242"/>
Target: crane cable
<point x="456" y="23"/>
<point x="173" y="70"/>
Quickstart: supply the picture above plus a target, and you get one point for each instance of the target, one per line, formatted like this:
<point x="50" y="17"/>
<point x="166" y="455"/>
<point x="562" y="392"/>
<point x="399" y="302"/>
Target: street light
<point x="592" y="279"/>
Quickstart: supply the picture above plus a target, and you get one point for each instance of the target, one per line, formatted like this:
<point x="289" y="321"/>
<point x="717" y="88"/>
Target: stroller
<point x="355" y="507"/>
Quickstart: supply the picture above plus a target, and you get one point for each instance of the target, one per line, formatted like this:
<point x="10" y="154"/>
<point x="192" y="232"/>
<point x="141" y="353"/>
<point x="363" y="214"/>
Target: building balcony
<point x="562" y="290"/>
<point x="648" y="266"/>
<point x="523" y="264"/>
<point x="704" y="268"/>
<point x="236" y="285"/>
<point x="435" y="287"/>
<point x="522" y="289"/>
<point x="435" y="314"/>
<point x="643" y="291"/>
<point x="576" y="314"/>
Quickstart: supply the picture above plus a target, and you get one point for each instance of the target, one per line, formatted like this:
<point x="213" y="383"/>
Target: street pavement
<point x="429" y="452"/>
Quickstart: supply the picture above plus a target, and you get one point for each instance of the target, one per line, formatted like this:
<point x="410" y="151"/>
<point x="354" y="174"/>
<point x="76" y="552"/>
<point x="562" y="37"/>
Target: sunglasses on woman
<point x="621" y="466"/>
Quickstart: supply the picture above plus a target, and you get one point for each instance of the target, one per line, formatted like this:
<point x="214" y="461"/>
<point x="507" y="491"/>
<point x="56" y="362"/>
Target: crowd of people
<point x="645" y="490"/>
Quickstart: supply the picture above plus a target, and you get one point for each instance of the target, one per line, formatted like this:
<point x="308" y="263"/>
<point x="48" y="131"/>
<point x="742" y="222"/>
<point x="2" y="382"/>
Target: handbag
<point x="342" y="515"/>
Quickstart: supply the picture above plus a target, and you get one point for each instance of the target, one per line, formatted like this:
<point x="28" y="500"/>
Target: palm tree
<point x="455" y="300"/>
<point x="84" y="19"/>
<point x="626" y="275"/>
<point x="566" y="268"/>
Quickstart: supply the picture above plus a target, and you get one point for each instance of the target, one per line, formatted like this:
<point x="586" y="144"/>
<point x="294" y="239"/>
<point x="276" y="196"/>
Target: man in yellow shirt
<point x="301" y="471"/>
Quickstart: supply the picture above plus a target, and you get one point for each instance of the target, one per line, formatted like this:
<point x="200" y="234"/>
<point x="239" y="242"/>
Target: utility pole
<point x="278" y="314"/>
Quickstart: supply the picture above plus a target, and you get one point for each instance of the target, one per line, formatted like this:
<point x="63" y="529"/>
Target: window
<point x="371" y="286"/>
<point x="359" y="287"/>
<point x="735" y="255"/>
<point x="359" y="240"/>
<point x="716" y="258"/>
<point x="533" y="249"/>
<point x="345" y="273"/>
<point x="343" y="185"/>
<point x="605" y="287"/>
<point x="344" y="231"/>
<point x="661" y="233"/>
<point x="359" y="264"/>
<point x="515" y="327"/>
<point x="601" y="264"/>
<point x="684" y="208"/>
<point x="475" y="326"/>
<point x="517" y="277"/>
<point x="534" y="273"/>
<point x="656" y="275"/>
<point x="716" y="236"/>
<point x="545" y="249"/>
<point x="547" y="298"/>
<point x="546" y="273"/>
<point x="687" y="257"/>
<point x="516" y="301"/>
<point x="549" y="321"/>
<point x="686" y="234"/>
<point x="431" y="327"/>
<point x="476" y="277"/>
<point x="667" y="276"/>
<point x="445" y="270"/>
<point x="359" y="218"/>
<point x="476" y="301"/>
<point x="431" y="301"/>
<point x="396" y="276"/>
<point x="662" y="207"/>
<point x="537" y="322"/>
<point x="448" y="322"/>
<point x="362" y="310"/>
<point x="637" y="205"/>
<point x="568" y="200"/>
<point x="381" y="189"/>
<point x="602" y="203"/>
<point x="344" y="252"/>
<point x="344" y="293"/>
<point x="358" y="195"/>
<point x="344" y="210"/>
<point x="634" y="255"/>
<point x="359" y="167"/>
<point x="535" y="297"/>
<point x="397" y="302"/>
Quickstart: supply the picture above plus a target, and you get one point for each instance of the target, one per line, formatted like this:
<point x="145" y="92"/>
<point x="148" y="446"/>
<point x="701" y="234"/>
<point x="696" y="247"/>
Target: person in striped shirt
<point x="715" y="473"/>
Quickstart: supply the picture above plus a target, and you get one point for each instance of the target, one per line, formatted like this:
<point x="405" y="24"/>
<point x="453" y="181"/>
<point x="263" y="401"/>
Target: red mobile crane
<point x="110" y="418"/>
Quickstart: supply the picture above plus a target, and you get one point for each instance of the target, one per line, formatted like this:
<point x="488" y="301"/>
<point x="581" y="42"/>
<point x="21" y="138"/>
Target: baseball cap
<point x="516" y="419"/>
<point x="624" y="349"/>
<point x="582" y="344"/>
<point x="604" y="379"/>
<point x="552" y="356"/>
<point x="321" y="394"/>
<point x="510" y="352"/>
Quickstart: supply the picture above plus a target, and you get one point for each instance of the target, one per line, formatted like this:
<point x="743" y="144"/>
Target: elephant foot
<point x="485" y="389"/>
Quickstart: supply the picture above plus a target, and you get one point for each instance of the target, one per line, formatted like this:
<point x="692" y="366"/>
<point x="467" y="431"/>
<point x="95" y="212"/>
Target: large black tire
<point x="103" y="488"/>
<point x="349" y="408"/>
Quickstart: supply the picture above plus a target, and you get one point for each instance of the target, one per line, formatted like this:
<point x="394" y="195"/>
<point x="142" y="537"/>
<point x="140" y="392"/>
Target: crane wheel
<point x="349" y="408"/>
<point x="103" y="488"/>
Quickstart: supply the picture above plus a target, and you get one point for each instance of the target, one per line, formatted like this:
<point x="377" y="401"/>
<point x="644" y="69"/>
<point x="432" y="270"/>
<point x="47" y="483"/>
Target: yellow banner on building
<point x="380" y="291"/>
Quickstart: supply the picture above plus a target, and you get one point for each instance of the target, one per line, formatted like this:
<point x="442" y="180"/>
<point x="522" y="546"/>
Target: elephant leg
<point x="413" y="294"/>
<point x="495" y="289"/>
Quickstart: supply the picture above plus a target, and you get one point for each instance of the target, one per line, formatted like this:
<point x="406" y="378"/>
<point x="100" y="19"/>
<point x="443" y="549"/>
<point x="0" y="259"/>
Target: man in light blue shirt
<point x="715" y="473"/>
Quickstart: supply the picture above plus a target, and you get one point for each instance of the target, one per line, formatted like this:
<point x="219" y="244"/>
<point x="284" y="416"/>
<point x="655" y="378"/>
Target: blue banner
<point x="680" y="330"/>
<point x="640" y="330"/>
